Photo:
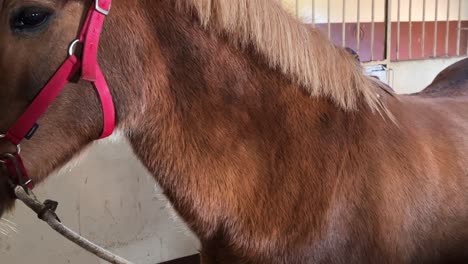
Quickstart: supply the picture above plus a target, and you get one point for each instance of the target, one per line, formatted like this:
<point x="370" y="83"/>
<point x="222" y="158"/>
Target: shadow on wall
<point x="194" y="259"/>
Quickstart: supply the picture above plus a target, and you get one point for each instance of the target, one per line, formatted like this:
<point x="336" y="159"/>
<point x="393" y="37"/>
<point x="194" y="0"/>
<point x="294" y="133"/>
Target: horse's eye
<point x="29" y="19"/>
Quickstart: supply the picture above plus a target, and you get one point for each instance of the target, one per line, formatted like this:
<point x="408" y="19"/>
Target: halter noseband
<point x="26" y="126"/>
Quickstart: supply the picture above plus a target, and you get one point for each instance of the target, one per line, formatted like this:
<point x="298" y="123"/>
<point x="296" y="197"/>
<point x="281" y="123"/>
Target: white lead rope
<point x="48" y="215"/>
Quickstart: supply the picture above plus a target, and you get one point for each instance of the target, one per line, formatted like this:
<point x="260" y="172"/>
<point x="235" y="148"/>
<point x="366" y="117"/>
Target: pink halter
<point x="26" y="125"/>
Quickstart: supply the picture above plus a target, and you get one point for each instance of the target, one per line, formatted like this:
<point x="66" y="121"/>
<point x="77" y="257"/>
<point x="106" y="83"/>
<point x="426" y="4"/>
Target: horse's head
<point x="34" y="40"/>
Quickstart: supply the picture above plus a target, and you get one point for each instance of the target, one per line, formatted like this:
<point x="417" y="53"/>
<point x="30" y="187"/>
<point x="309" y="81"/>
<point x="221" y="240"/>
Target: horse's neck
<point x="222" y="130"/>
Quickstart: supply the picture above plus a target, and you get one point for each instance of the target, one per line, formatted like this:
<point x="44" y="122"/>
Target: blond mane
<point x="299" y="50"/>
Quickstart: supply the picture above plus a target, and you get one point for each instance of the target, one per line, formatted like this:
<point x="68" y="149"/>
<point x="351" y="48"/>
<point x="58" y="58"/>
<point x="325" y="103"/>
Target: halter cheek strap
<point x="25" y="126"/>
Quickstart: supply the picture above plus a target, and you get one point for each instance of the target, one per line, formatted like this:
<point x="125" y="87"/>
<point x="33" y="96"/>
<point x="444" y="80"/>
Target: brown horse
<point x="450" y="82"/>
<point x="268" y="140"/>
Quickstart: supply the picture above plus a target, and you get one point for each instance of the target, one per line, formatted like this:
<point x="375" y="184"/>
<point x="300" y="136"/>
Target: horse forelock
<point x="300" y="51"/>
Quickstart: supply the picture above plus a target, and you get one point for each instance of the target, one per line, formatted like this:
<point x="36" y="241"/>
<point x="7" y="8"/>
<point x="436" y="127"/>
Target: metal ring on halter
<point x="8" y="156"/>
<point x="22" y="181"/>
<point x="18" y="149"/>
<point x="71" y="48"/>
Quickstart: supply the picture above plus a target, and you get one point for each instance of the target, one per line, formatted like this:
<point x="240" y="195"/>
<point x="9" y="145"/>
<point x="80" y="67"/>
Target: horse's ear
<point x="353" y="53"/>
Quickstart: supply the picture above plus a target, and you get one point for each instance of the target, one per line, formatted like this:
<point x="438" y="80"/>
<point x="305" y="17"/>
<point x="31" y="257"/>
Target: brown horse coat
<point x="269" y="149"/>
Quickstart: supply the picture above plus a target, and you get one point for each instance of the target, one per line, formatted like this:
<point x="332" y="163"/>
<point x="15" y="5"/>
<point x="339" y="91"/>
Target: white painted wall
<point x="110" y="198"/>
<point x="413" y="76"/>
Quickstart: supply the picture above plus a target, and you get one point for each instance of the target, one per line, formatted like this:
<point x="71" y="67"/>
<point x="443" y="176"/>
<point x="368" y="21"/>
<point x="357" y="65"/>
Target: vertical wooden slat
<point x="358" y="27"/>
<point x="313" y="11"/>
<point x="447" y="29"/>
<point x="434" y="52"/>
<point x="372" y="30"/>
<point x="328" y="18"/>
<point x="388" y="37"/>
<point x="398" y="30"/>
<point x="343" y="25"/>
<point x="423" y="33"/>
<point x="410" y="37"/>
<point x="297" y="8"/>
<point x="459" y="27"/>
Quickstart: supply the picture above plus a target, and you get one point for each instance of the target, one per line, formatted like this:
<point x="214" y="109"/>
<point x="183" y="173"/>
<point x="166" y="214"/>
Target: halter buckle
<point x="21" y="179"/>
<point x="100" y="9"/>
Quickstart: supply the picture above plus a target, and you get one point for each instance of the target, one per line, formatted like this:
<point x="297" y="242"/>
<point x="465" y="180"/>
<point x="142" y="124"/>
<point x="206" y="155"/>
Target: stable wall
<point x="413" y="76"/>
<point x="427" y="39"/>
<point x="303" y="8"/>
